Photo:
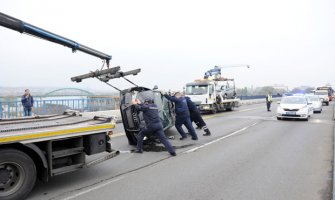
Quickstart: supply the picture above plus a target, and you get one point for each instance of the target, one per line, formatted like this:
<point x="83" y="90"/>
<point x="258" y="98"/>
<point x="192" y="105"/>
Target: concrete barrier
<point x="117" y="113"/>
<point x="256" y="101"/>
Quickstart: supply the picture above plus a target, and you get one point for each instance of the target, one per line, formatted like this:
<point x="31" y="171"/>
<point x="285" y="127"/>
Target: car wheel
<point x="17" y="173"/>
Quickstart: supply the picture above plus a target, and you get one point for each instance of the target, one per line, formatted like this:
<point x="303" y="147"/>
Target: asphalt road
<point x="251" y="155"/>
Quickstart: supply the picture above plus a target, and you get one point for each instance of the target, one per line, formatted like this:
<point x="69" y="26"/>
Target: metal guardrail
<point x="14" y="109"/>
<point x="246" y="97"/>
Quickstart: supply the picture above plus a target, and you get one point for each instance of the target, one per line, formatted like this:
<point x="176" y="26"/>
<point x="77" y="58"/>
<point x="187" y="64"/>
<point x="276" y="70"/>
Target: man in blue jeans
<point x="27" y="103"/>
<point x="182" y="115"/>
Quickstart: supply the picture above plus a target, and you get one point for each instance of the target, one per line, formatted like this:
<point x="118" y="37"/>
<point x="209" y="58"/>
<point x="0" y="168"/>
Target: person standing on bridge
<point x="153" y="125"/>
<point x="196" y="116"/>
<point x="269" y="101"/>
<point x="182" y="115"/>
<point x="27" y="103"/>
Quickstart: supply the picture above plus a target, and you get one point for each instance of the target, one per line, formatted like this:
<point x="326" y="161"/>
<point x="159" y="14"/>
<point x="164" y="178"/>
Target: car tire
<point x="20" y="171"/>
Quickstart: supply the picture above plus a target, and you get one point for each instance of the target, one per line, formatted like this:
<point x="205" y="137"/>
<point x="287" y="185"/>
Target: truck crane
<point x="214" y="93"/>
<point x="46" y="146"/>
<point x="23" y="27"/>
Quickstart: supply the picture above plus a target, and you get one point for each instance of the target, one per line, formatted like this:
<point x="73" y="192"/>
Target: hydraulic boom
<point x="23" y="27"/>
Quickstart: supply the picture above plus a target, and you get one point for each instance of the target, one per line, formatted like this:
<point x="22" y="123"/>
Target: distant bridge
<point x="66" y="92"/>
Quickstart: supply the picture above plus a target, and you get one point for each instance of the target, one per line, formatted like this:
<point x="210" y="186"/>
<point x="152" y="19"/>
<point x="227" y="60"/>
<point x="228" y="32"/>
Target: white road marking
<point x="93" y="188"/>
<point x="221" y="138"/>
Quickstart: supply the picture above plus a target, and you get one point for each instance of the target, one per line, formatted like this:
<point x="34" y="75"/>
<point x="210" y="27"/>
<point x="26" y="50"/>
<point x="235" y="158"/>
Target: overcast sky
<point x="289" y="42"/>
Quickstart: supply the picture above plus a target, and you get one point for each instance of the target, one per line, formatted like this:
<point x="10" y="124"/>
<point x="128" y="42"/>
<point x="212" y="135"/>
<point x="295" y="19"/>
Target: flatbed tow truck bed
<point x="46" y="146"/>
<point x="26" y="130"/>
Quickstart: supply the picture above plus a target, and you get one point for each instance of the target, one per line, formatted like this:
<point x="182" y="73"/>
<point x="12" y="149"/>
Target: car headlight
<point x="304" y="108"/>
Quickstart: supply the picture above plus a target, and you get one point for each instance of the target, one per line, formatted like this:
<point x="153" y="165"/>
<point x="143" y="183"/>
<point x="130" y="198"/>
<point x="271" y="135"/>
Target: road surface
<point x="250" y="155"/>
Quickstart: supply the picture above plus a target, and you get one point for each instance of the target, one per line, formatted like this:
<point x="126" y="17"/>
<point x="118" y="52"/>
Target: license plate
<point x="290" y="113"/>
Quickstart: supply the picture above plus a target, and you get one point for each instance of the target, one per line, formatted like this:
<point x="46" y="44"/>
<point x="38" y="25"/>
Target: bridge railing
<point x="14" y="109"/>
<point x="250" y="97"/>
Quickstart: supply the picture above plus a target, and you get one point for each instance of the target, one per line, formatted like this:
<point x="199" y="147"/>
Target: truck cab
<point x="201" y="93"/>
<point x="323" y="94"/>
<point x="211" y="95"/>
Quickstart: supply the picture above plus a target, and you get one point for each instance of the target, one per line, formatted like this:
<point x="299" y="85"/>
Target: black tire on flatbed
<point x="17" y="174"/>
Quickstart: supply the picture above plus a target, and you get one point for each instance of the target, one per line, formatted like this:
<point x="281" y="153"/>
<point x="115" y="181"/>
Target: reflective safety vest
<point x="269" y="98"/>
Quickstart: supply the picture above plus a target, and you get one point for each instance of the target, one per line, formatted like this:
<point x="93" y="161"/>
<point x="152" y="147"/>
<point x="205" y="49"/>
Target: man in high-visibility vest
<point x="268" y="101"/>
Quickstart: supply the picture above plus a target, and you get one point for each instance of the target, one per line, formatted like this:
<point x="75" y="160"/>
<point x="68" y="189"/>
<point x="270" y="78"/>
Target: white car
<point x="296" y="107"/>
<point x="316" y="103"/>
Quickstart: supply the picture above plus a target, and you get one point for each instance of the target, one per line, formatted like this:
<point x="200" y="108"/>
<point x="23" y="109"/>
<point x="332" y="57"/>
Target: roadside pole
<point x="333" y="150"/>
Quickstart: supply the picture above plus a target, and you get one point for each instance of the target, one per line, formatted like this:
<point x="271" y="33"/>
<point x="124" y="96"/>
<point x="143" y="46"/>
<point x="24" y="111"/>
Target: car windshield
<point x="321" y="93"/>
<point x="196" y="89"/>
<point x="294" y="100"/>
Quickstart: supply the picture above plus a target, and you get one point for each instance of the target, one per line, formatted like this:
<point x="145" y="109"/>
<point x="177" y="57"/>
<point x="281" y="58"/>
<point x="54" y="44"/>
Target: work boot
<point x="194" y="138"/>
<point x="173" y="154"/>
<point x="182" y="138"/>
<point x="138" y="151"/>
<point x="207" y="132"/>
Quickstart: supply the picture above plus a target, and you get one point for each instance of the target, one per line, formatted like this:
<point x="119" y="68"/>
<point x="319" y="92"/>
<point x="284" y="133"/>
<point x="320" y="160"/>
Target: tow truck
<point x="213" y="93"/>
<point x="46" y="146"/>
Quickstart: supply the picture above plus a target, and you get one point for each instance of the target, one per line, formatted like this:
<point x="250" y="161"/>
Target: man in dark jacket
<point x="182" y="115"/>
<point x="196" y="116"/>
<point x="27" y="103"/>
<point x="268" y="101"/>
<point x="153" y="125"/>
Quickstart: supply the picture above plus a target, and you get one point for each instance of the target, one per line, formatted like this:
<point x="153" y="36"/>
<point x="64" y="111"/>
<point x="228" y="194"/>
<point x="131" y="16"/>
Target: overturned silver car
<point x="133" y="120"/>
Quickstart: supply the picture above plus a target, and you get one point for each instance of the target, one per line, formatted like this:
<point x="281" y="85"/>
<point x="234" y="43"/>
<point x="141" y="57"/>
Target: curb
<point x="333" y="196"/>
<point x="117" y="113"/>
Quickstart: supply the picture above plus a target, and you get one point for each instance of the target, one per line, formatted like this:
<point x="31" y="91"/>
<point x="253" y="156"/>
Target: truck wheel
<point x="231" y="108"/>
<point x="215" y="109"/>
<point x="17" y="174"/>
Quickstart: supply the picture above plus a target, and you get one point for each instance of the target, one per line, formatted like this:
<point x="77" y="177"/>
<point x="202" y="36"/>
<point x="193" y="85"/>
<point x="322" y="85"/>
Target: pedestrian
<point x="269" y="101"/>
<point x="182" y="115"/>
<point x="196" y="116"/>
<point x="153" y="125"/>
<point x="27" y="103"/>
